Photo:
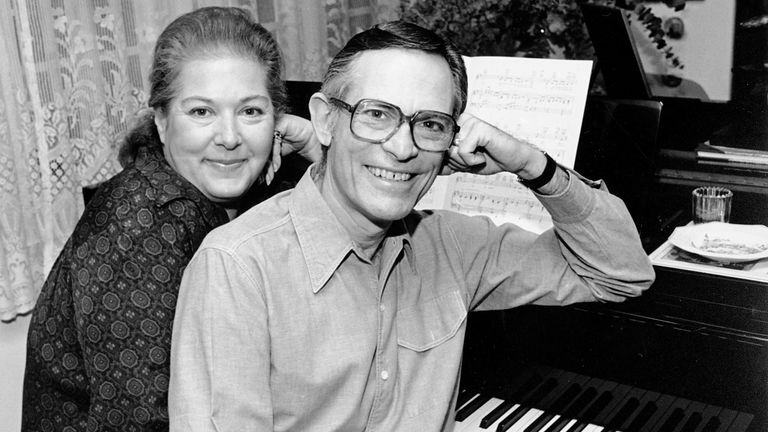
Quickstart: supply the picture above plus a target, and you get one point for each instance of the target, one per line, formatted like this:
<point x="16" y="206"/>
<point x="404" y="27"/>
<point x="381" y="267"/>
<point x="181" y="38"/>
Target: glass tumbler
<point x="711" y="204"/>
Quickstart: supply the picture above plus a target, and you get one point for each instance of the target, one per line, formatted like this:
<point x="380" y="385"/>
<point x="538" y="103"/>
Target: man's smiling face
<point x="382" y="183"/>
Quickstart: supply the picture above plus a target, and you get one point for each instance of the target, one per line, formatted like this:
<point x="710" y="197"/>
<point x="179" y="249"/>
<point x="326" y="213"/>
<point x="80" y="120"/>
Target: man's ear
<point x="322" y="114"/>
<point x="161" y="122"/>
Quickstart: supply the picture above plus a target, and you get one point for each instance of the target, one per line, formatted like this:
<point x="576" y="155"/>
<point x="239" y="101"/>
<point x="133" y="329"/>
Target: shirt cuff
<point x="575" y="202"/>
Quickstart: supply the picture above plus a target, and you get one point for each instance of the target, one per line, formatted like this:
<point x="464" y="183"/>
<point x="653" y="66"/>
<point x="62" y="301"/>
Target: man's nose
<point x="228" y="133"/>
<point x="401" y="144"/>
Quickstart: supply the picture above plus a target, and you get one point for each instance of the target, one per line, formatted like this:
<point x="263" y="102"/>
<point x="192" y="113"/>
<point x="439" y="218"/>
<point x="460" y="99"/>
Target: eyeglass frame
<point x="403" y="118"/>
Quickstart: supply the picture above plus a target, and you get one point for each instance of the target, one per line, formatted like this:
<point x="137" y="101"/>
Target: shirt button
<point x="384" y="375"/>
<point x="382" y="308"/>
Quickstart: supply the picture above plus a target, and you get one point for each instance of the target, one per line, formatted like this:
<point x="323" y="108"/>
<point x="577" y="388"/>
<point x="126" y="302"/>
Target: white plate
<point x="723" y="242"/>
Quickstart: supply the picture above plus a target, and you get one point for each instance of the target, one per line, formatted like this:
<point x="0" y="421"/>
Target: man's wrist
<point x="546" y="175"/>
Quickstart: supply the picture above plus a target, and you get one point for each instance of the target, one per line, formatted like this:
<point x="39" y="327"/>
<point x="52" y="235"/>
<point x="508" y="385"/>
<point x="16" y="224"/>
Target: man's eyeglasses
<point x="376" y="121"/>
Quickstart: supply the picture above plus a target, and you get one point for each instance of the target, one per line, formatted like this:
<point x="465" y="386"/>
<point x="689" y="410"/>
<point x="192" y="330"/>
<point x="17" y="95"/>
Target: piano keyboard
<point x="546" y="400"/>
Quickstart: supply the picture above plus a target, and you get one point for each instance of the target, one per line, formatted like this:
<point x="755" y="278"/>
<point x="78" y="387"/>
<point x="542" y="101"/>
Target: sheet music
<point x="537" y="100"/>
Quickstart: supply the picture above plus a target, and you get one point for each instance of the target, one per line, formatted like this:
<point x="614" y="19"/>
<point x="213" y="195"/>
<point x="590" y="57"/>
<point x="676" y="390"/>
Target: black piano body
<point x="695" y="337"/>
<point x="704" y="339"/>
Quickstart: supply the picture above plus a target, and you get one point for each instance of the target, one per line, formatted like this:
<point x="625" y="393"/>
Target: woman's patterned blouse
<point x="100" y="335"/>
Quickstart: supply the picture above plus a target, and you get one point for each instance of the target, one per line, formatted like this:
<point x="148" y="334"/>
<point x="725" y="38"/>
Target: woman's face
<point x="217" y="131"/>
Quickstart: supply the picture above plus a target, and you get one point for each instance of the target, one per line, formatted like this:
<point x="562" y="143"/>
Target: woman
<point x="99" y="338"/>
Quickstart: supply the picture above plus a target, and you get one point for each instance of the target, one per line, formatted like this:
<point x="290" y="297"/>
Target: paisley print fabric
<point x="99" y="339"/>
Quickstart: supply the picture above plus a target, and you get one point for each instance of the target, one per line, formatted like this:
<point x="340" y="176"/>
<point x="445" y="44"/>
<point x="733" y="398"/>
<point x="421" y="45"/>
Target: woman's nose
<point x="228" y="133"/>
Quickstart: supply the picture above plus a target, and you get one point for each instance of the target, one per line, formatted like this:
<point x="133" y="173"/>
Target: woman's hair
<point x="395" y="34"/>
<point x="209" y="32"/>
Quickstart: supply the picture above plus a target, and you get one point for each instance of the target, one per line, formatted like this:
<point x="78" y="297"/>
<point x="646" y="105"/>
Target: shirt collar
<point x="324" y="242"/>
<point x="168" y="185"/>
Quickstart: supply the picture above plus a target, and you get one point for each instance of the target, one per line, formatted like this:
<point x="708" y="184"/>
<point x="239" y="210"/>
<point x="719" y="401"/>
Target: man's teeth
<point x="390" y="175"/>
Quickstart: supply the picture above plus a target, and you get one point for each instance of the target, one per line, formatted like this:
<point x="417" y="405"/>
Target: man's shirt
<point x="282" y="324"/>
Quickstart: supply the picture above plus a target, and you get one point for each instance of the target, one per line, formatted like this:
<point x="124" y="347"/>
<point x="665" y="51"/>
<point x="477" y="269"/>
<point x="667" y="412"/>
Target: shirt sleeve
<point x="220" y="349"/>
<point x="593" y="252"/>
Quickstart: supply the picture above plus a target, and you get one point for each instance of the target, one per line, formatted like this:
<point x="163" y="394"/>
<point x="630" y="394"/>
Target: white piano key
<point x="527" y="419"/>
<point x="552" y="421"/>
<point x="567" y="425"/>
<point x="472" y="423"/>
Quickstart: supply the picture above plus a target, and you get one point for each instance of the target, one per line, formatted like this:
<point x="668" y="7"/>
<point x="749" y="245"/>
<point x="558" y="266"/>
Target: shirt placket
<point x="385" y="359"/>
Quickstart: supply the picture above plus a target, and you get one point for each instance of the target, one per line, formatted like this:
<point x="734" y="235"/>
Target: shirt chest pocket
<point x="430" y="323"/>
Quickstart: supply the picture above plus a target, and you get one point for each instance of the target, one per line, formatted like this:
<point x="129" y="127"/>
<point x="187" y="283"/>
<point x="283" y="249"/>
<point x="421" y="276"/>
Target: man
<point x="335" y="306"/>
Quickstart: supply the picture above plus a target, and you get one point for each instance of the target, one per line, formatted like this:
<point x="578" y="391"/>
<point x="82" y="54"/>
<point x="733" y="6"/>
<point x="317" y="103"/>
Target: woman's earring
<point x="276" y="156"/>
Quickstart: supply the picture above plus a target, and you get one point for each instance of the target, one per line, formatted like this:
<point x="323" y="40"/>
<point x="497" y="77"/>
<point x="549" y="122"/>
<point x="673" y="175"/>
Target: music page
<point x="537" y="100"/>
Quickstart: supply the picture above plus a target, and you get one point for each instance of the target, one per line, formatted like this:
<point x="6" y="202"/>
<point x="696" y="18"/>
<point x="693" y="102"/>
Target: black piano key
<point x="521" y="395"/>
<point x="588" y="414"/>
<point x="558" y="405"/>
<point x="496" y="414"/>
<point x="709" y="412"/>
<point x="472" y="423"/>
<point x="626" y="409"/>
<point x="528" y="386"/>
<point x="538" y="424"/>
<point x="528" y="418"/>
<point x="620" y="393"/>
<point x="559" y="425"/>
<point x="570" y="394"/>
<point x="721" y="421"/>
<point x="664" y="404"/>
<point x="709" y="418"/>
<point x="535" y="395"/>
<point x="577" y="405"/>
<point x="521" y="382"/>
<point x="641" y="416"/>
<point x="591" y="413"/>
<point x="531" y="383"/>
<point x="569" y="386"/>
<point x="541" y="392"/>
<point x="691" y="422"/>
<point x="471" y="407"/>
<point x="712" y="425"/>
<point x="692" y="417"/>
<point x="464" y="397"/>
<point x="577" y="427"/>
<point x="672" y="421"/>
<point x="674" y="415"/>
<point x="511" y="419"/>
<point x="741" y="422"/>
<point x="583" y="400"/>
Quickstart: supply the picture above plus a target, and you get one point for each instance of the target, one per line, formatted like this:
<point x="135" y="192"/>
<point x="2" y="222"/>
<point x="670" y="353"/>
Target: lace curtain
<point x="72" y="76"/>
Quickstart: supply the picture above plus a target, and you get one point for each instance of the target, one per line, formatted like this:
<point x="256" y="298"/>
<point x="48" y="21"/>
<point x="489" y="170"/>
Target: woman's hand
<point x="292" y="134"/>
<point x="298" y="136"/>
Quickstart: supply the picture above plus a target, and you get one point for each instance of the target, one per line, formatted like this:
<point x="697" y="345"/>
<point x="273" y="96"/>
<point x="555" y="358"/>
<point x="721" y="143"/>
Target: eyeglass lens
<point x="377" y="121"/>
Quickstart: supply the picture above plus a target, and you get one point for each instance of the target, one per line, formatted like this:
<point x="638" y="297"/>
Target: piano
<point x="690" y="355"/>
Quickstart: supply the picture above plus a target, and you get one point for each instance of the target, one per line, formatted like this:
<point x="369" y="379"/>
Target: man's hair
<point x="205" y="33"/>
<point x="396" y="34"/>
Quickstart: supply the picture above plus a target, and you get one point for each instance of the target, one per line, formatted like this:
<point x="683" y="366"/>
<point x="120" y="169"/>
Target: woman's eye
<point x="199" y="112"/>
<point x="253" y="111"/>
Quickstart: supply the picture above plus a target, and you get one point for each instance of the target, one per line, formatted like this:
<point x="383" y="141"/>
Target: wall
<point x="706" y="48"/>
<point x="13" y="340"/>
